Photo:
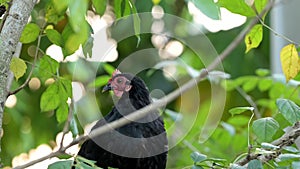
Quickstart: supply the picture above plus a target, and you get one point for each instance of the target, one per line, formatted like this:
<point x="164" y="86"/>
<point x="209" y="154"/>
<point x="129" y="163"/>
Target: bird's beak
<point x="106" y="88"/>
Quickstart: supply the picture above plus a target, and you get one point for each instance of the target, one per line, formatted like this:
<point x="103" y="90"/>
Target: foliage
<point x="261" y="106"/>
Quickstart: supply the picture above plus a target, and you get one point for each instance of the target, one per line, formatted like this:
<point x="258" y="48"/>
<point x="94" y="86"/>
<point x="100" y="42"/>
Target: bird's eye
<point x="119" y="80"/>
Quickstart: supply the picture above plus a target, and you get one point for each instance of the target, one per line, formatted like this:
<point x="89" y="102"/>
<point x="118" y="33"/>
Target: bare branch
<point x="163" y="101"/>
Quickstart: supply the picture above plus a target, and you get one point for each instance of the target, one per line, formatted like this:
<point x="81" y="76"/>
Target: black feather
<point x="137" y="145"/>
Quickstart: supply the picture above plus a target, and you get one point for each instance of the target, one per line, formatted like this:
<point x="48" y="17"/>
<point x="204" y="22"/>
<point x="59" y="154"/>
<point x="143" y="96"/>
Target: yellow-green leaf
<point x="254" y="37"/>
<point x="289" y="61"/>
<point x="30" y="33"/>
<point x="18" y="67"/>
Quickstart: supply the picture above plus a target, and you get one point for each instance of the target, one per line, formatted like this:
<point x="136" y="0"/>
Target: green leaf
<point x="52" y="15"/>
<point x="18" y="67"/>
<point x="64" y="156"/>
<point x="87" y="48"/>
<point x="50" y="99"/>
<point x="197" y="157"/>
<point x="265" y="128"/>
<point x="197" y="167"/>
<point x="289" y="61"/>
<point x="74" y="39"/>
<point x="291" y="149"/>
<point x="289" y="110"/>
<point x="269" y="146"/>
<point x="254" y="37"/>
<point x="65" y="89"/>
<point x="61" y="165"/>
<point x="238" y="120"/>
<point x="237" y="6"/>
<point x="108" y="68"/>
<point x="283" y="157"/>
<point x="99" y="81"/>
<point x="295" y="164"/>
<point x="255" y="164"/>
<point x="117" y="8"/>
<point x="239" y="110"/>
<point x="260" y="5"/>
<point x="100" y="6"/>
<point x="48" y="67"/>
<point x="208" y="7"/>
<point x="60" y="5"/>
<point x="74" y="127"/>
<point x="262" y="72"/>
<point x="62" y="112"/>
<point x="250" y="84"/>
<point x="127" y="8"/>
<point x="55" y="37"/>
<point x="136" y="22"/>
<point x="265" y="84"/>
<point x="78" y="9"/>
<point x="236" y="166"/>
<point x="30" y="33"/>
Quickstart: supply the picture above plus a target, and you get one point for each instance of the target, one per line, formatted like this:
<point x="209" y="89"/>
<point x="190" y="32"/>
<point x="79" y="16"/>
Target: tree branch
<point x="163" y="101"/>
<point x="17" y="18"/>
<point x="286" y="140"/>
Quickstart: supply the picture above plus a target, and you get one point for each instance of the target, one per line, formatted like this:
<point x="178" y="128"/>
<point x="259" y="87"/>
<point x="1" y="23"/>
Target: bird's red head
<point x="118" y="84"/>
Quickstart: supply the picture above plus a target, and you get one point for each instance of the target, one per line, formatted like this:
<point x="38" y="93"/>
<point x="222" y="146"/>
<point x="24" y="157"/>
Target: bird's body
<point x="140" y="144"/>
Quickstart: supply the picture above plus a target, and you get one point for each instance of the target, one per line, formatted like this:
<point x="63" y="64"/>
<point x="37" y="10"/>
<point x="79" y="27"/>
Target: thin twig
<point x="250" y="101"/>
<point x="32" y="67"/>
<point x="161" y="102"/>
<point x="67" y="123"/>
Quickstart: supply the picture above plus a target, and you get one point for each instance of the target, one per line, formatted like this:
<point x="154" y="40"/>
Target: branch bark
<point x="10" y="34"/>
<point x="161" y="102"/>
<point x="287" y="139"/>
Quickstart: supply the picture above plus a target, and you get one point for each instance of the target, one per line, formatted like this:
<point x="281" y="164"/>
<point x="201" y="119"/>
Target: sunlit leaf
<point x="18" y="67"/>
<point x="239" y="110"/>
<point x="236" y="166"/>
<point x="30" y="33"/>
<point x="265" y="84"/>
<point x="60" y="5"/>
<point x="262" y="72"/>
<point x="99" y="81"/>
<point x="108" y="68"/>
<point x="250" y="84"/>
<point x="55" y="37"/>
<point x="62" y="112"/>
<point x="117" y="8"/>
<point x="265" y="128"/>
<point x="100" y="6"/>
<point x="78" y="9"/>
<point x="254" y="37"/>
<point x="48" y="67"/>
<point x="197" y="157"/>
<point x="289" y="110"/>
<point x="208" y="7"/>
<point x="289" y="61"/>
<point x="61" y="164"/>
<point x="50" y="99"/>
<point x="260" y="5"/>
<point x="237" y="6"/>
<point x="255" y="164"/>
<point x="295" y="164"/>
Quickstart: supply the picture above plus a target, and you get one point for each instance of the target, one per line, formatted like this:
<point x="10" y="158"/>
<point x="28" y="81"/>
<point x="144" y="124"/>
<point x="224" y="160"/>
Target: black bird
<point x="140" y="144"/>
